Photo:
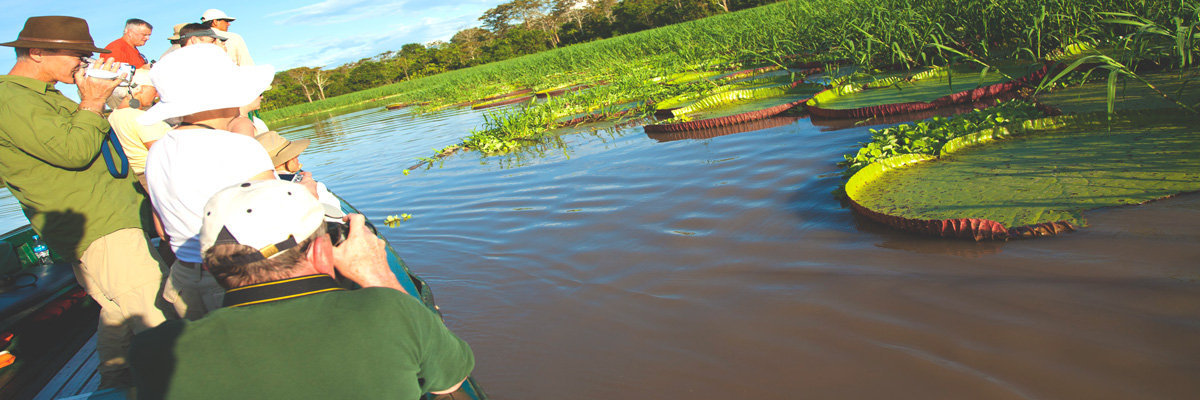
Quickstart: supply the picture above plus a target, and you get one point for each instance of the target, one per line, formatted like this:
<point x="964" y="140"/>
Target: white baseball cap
<point x="202" y="77"/>
<point x="270" y="216"/>
<point x="212" y="13"/>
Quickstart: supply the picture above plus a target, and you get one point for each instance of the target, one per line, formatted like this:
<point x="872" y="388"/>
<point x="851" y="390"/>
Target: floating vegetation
<point x="709" y="133"/>
<point x="1036" y="184"/>
<point x="393" y="221"/>
<point x="1128" y="94"/>
<point x="927" y="90"/>
<point x="736" y="106"/>
<point x="927" y="137"/>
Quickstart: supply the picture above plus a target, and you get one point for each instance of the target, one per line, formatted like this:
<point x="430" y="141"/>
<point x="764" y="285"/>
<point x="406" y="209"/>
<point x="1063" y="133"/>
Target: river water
<point x="617" y="265"/>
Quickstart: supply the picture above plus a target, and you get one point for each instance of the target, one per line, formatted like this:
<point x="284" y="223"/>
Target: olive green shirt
<point x="302" y="338"/>
<point x="50" y="161"/>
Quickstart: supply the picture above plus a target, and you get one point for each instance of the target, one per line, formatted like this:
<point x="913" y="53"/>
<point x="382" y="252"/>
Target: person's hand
<point x="96" y="88"/>
<point x="362" y="257"/>
<point x="93" y="91"/>
<point x="308" y="182"/>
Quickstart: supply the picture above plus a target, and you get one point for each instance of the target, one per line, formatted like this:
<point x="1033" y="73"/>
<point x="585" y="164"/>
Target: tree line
<point x="511" y="29"/>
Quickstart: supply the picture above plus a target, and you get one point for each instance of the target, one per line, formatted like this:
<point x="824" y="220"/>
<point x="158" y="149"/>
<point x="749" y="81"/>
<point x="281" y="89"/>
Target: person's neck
<point x="217" y="119"/>
<point x="128" y="40"/>
<point x="28" y="70"/>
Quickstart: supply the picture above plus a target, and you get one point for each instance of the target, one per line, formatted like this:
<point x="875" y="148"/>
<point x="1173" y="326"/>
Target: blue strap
<point x="111" y="137"/>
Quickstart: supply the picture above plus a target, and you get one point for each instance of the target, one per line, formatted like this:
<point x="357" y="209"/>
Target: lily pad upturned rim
<point x="969" y="228"/>
<point x="710" y="123"/>
<point x="966" y="96"/>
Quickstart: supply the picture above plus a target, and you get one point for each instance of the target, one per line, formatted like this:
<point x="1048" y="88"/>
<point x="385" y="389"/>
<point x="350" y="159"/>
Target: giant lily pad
<point x="516" y="97"/>
<point x="1037" y="183"/>
<point x="923" y="91"/>
<point x="737" y="106"/>
<point x="1129" y="94"/>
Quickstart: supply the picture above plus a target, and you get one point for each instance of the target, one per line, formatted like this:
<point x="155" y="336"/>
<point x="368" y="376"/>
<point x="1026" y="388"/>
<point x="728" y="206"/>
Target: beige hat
<point x="270" y="216"/>
<point x="176" y="35"/>
<point x="281" y="150"/>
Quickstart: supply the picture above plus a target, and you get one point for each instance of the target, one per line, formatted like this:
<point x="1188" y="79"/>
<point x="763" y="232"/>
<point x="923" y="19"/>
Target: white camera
<point x="93" y="70"/>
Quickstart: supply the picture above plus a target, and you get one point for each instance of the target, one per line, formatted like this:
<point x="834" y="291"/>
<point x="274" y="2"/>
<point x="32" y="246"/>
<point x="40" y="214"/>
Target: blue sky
<point x="285" y="34"/>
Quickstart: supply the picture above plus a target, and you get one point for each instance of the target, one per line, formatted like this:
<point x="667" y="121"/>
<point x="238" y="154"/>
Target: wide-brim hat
<point x="280" y="149"/>
<point x="202" y="77"/>
<point x="56" y="32"/>
<point x="270" y="215"/>
<point x="175" y="36"/>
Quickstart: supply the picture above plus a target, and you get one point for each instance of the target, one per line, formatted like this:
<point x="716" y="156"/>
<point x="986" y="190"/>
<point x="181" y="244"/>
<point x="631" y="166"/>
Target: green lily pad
<point x="1131" y="94"/>
<point x="931" y="86"/>
<point x="1047" y="175"/>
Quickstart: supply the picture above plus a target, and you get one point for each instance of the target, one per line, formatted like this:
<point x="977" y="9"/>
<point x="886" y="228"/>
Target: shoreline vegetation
<point x="874" y="58"/>
<point x="871" y="36"/>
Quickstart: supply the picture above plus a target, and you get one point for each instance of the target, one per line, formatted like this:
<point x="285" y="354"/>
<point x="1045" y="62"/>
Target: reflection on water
<point x="605" y="264"/>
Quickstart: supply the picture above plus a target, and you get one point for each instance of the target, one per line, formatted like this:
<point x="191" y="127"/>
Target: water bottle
<point x="41" y="251"/>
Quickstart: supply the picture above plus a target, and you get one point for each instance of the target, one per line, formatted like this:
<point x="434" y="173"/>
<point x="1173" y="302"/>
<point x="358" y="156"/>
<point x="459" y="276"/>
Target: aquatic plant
<point x="1035" y="178"/>
<point x="928" y="136"/>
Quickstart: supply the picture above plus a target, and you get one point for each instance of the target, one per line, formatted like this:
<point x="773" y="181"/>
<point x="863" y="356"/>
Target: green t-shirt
<point x="327" y="343"/>
<point x="50" y="161"/>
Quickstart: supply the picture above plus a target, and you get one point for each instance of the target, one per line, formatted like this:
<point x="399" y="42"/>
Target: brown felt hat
<point x="56" y="32"/>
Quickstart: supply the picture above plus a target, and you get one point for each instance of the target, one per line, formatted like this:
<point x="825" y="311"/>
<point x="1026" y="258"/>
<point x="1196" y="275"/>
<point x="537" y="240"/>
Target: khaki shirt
<point x="50" y="161"/>
<point x="134" y="136"/>
<point x="235" y="46"/>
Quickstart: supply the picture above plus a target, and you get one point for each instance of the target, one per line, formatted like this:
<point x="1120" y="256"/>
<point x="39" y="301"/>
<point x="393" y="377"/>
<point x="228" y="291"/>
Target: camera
<point x="337" y="232"/>
<point x="92" y="69"/>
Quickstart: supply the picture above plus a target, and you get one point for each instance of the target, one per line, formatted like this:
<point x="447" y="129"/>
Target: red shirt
<point x="124" y="52"/>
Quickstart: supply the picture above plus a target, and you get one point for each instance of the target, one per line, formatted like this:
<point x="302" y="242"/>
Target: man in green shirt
<point x="49" y="160"/>
<point x="287" y="329"/>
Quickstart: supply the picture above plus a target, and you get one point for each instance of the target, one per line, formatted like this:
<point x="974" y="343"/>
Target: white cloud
<point x="338" y="11"/>
<point x="335" y="52"/>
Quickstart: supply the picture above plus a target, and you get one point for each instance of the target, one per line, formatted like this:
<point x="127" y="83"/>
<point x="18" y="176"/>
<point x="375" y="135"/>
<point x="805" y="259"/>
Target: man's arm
<point x="69" y="140"/>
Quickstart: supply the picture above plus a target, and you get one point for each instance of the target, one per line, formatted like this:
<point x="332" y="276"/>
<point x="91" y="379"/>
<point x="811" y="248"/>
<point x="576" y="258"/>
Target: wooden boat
<point x="63" y="370"/>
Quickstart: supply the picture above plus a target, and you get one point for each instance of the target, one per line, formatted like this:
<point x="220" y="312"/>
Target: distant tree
<point x="676" y="11"/>
<point x="470" y="40"/>
<point x="634" y="15"/>
<point x="301" y="76"/>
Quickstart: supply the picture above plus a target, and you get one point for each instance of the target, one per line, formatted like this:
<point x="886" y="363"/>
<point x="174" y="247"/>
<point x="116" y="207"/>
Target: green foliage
<point x="927" y="137"/>
<point x="1047" y="175"/>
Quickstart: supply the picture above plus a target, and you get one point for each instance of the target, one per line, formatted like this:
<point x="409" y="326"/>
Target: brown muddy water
<point x="617" y="265"/>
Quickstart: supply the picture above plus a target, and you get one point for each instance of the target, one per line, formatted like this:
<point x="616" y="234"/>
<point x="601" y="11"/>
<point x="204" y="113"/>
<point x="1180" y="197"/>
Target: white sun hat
<point x="202" y="77"/>
<point x="270" y="216"/>
<point x="212" y="13"/>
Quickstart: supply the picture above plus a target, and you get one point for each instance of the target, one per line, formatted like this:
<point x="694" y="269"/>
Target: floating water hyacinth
<point x="393" y="221"/>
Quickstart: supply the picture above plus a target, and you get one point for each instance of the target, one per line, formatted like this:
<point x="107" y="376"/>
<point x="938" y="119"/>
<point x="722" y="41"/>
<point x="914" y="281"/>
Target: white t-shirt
<point x="186" y="168"/>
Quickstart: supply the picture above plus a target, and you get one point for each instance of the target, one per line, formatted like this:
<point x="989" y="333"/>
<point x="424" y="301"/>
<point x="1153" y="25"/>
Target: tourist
<point x="285" y="154"/>
<point x="128" y="103"/>
<point x="174" y="39"/>
<point x="234" y="44"/>
<point x="288" y="329"/>
<point x="199" y="33"/>
<point x="124" y="49"/>
<point x="50" y="150"/>
<point x="200" y="89"/>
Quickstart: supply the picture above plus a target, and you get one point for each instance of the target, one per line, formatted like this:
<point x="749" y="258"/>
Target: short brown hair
<point x="220" y="261"/>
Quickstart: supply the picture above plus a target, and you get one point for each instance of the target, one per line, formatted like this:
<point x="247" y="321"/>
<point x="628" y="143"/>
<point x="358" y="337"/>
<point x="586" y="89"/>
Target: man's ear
<point x="36" y="54"/>
<point x="320" y="255"/>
